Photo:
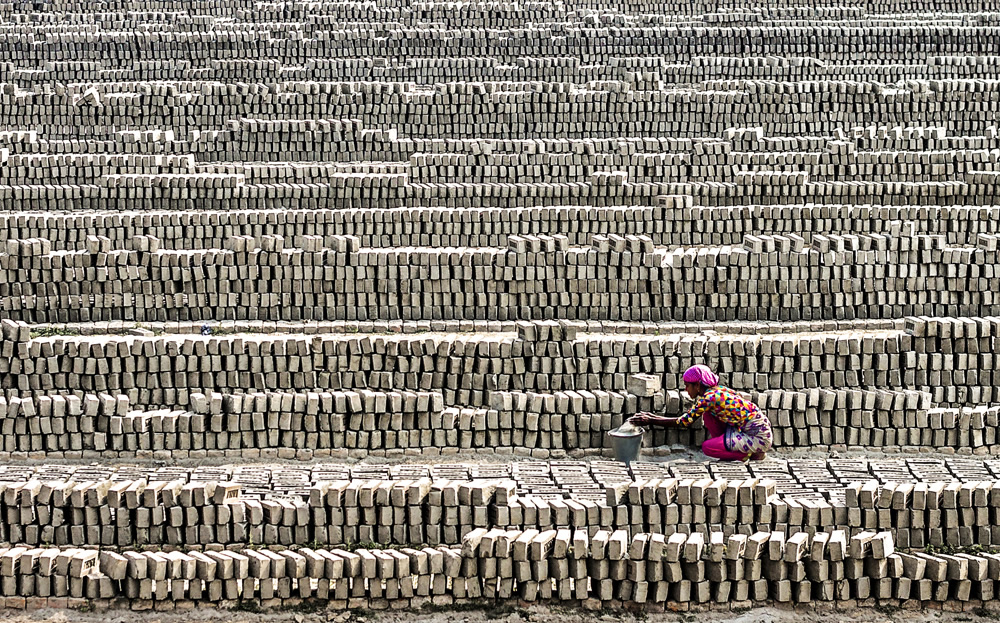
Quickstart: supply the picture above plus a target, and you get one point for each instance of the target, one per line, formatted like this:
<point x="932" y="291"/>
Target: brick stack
<point x="570" y="566"/>
<point x="835" y="277"/>
<point x="530" y="565"/>
<point x="468" y="368"/>
<point x="261" y="232"/>
<point x="365" y="422"/>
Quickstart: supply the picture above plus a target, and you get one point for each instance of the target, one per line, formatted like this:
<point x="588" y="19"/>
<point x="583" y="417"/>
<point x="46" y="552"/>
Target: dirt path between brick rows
<point x="505" y="614"/>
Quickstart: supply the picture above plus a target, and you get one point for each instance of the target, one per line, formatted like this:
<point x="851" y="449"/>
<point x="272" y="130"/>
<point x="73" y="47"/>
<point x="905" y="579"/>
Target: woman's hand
<point x="642" y="419"/>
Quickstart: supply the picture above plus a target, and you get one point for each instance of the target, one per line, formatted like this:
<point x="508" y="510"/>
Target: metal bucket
<point x="626" y="445"/>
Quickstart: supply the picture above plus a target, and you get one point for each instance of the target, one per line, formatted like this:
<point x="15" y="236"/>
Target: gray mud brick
<point x="795" y="547"/>
<point x="819" y="543"/>
<point x="599" y="544"/>
<point x="693" y="548"/>
<point x="644" y="384"/>
<point x="838" y="545"/>
<point x="935" y="568"/>
<point x="113" y="565"/>
<point x="882" y="545"/>
<point x="913" y="566"/>
<point x="522" y="543"/>
<point x="756" y="545"/>
<point x="224" y="565"/>
<point x="205" y="566"/>
<point x="83" y="563"/>
<point x="618" y="545"/>
<point x="736" y="546"/>
<point x="860" y="544"/>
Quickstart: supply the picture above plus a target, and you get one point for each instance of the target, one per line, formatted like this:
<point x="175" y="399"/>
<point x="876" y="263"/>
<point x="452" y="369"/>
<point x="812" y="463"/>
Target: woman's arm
<point x="701" y="406"/>
<point x="648" y="419"/>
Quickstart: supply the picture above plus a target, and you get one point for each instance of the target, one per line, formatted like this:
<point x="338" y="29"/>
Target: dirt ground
<point x="534" y="614"/>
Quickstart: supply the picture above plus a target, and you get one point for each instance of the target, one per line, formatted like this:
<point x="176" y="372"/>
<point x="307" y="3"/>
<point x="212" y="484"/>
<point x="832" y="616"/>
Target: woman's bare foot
<point x="759" y="456"/>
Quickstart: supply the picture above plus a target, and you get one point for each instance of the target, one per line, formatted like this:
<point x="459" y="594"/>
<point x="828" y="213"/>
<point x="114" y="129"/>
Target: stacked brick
<point x="260" y="163"/>
<point x="52" y="575"/>
<point x="362" y="420"/>
<point x="554" y="117"/>
<point x="528" y="565"/>
<point x="947" y="358"/>
<point x="209" y="117"/>
<point x="660" y="540"/>
<point x="179" y="509"/>
<point x="362" y="423"/>
<point x="842" y="277"/>
<point x="484" y="240"/>
<point x="820" y="417"/>
<point x="927" y="514"/>
<point x="126" y="513"/>
<point x="566" y="565"/>
<point x="374" y="228"/>
<point x="185" y="511"/>
<point x="673" y="222"/>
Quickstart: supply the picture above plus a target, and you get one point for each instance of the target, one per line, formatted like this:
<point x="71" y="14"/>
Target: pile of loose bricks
<point x="338" y="302"/>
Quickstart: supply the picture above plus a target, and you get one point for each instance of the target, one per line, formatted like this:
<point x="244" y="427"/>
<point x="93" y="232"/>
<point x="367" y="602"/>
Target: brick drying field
<point x="334" y="303"/>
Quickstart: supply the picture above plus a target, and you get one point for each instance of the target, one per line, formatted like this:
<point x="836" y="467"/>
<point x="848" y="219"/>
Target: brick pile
<point x="284" y="233"/>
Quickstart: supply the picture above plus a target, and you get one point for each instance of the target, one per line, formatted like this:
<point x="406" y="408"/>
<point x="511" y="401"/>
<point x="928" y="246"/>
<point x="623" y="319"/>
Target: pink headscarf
<point x="701" y="374"/>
